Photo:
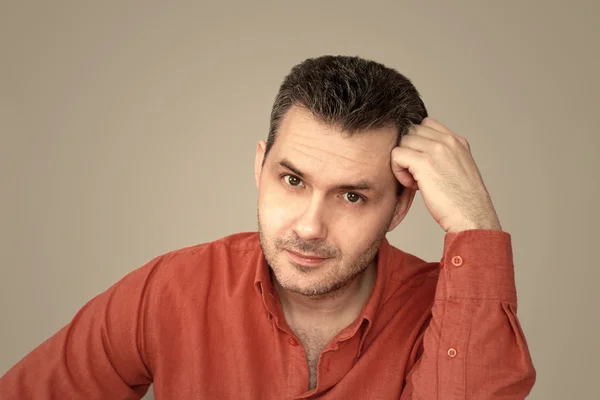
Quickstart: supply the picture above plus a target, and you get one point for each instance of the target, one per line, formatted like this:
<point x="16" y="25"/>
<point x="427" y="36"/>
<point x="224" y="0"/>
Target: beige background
<point x="128" y="129"/>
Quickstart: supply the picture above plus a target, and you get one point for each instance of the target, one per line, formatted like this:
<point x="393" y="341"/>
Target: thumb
<point x="405" y="178"/>
<point x="400" y="161"/>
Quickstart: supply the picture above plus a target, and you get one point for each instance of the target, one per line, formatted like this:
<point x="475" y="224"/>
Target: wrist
<point x="486" y="224"/>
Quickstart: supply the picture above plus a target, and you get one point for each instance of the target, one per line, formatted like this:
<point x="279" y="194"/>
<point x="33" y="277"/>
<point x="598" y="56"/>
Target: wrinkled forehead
<point x="312" y="145"/>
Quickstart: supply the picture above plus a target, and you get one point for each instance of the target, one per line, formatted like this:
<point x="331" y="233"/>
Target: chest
<point x="240" y="353"/>
<point x="314" y="342"/>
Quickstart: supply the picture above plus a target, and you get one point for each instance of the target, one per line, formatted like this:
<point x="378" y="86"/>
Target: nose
<point x="310" y="224"/>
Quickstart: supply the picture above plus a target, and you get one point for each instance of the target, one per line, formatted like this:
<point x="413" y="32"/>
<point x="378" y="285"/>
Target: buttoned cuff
<point x="478" y="264"/>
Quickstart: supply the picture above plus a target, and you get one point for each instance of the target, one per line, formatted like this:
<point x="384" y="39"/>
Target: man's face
<point x="325" y="202"/>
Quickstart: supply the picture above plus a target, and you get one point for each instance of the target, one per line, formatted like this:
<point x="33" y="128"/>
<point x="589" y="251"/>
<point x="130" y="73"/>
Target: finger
<point x="419" y="143"/>
<point x="405" y="158"/>
<point x="435" y="124"/>
<point x="403" y="162"/>
<point x="406" y="179"/>
<point x="447" y="138"/>
<point x="427" y="132"/>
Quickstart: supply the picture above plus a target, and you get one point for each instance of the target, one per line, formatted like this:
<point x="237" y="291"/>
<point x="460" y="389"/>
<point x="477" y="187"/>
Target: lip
<point x="305" y="260"/>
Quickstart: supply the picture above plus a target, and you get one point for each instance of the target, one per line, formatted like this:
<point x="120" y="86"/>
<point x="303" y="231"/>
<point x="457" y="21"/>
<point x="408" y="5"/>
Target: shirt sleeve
<point x="99" y="354"/>
<point x="473" y="347"/>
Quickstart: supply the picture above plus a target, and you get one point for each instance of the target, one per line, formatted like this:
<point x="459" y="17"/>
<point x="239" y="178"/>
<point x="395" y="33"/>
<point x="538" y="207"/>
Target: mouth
<point x="306" y="260"/>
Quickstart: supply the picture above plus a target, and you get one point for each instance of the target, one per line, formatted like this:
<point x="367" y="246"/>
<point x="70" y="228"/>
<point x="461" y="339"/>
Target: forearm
<point x="474" y="346"/>
<point x="96" y="355"/>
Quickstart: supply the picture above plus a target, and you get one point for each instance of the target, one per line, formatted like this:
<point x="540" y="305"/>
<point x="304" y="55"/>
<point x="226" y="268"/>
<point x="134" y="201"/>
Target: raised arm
<point x="474" y="347"/>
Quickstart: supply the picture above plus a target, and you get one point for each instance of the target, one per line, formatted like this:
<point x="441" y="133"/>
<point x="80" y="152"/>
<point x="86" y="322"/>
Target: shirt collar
<point x="384" y="272"/>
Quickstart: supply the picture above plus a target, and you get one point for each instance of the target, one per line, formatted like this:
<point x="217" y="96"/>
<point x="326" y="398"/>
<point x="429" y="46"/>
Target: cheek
<point x="353" y="241"/>
<point x="356" y="234"/>
<point x="275" y="211"/>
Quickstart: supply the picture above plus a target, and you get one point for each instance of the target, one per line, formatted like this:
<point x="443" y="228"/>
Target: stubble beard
<point x="331" y="284"/>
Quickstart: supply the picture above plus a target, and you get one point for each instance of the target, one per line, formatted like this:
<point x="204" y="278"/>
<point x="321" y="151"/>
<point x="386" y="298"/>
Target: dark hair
<point x="350" y="93"/>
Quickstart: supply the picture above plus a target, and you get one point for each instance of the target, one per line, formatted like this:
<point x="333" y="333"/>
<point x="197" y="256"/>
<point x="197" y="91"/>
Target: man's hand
<point x="439" y="163"/>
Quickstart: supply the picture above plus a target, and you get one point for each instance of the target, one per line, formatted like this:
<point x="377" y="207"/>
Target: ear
<point x="402" y="206"/>
<point x="258" y="160"/>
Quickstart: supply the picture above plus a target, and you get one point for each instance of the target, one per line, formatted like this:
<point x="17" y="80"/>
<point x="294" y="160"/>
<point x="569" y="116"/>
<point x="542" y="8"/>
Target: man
<point x="317" y="304"/>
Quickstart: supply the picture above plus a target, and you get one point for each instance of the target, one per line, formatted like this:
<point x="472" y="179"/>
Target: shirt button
<point x="457" y="261"/>
<point x="293" y="342"/>
<point x="452" y="352"/>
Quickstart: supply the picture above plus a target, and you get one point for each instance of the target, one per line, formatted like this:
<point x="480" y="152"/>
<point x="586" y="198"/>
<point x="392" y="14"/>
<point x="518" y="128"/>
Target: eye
<point x="352" y="197"/>
<point x="293" y="180"/>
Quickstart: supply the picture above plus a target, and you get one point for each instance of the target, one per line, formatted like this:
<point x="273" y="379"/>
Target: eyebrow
<point x="361" y="185"/>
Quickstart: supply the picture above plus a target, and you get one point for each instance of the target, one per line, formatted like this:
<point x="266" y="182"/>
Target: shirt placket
<point x="335" y="361"/>
<point x="294" y="358"/>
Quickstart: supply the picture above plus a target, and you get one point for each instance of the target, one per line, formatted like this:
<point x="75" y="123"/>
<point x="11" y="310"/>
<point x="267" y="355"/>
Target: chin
<point x="315" y="282"/>
<point x="298" y="279"/>
<point x="307" y="289"/>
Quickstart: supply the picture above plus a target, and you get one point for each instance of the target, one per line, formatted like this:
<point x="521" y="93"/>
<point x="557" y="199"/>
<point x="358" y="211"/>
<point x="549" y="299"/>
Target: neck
<point x="336" y="309"/>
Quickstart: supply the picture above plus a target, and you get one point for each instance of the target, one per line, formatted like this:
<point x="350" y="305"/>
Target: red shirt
<point x="205" y="322"/>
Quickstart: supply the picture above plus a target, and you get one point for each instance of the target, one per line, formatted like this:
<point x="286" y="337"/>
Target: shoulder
<point x="232" y="257"/>
<point x="228" y="245"/>
<point x="413" y="273"/>
<point x="410" y="268"/>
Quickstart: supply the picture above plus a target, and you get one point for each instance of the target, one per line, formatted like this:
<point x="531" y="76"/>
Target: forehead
<point x="318" y="148"/>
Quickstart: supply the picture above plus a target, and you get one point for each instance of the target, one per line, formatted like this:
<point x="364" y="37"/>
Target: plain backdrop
<point x="128" y="129"/>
